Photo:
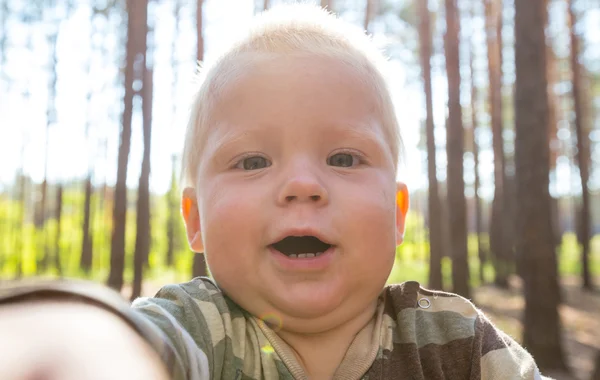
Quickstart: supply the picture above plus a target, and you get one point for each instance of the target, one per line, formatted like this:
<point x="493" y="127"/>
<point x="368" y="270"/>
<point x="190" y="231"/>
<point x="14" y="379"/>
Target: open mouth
<point x="299" y="247"/>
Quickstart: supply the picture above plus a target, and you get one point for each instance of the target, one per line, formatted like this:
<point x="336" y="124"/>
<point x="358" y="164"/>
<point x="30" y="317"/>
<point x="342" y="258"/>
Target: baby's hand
<point x="54" y="340"/>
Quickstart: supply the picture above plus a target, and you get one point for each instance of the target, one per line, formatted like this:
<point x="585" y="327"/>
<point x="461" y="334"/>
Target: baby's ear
<point x="191" y="217"/>
<point x="402" y="201"/>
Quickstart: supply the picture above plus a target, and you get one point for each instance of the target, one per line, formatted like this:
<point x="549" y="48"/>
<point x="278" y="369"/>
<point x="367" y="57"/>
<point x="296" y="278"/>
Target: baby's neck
<point x="321" y="354"/>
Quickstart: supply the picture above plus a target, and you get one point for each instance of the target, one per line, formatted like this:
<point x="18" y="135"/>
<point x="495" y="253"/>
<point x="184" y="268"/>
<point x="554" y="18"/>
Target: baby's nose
<point x="303" y="187"/>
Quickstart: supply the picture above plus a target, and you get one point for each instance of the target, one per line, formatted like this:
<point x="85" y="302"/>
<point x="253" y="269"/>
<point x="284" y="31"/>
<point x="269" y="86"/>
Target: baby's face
<point x="297" y="193"/>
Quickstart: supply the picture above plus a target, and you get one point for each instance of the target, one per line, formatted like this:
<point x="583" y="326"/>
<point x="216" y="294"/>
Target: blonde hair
<point x="300" y="29"/>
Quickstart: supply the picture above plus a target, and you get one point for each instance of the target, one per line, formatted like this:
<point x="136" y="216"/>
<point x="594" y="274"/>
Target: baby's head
<point x="290" y="165"/>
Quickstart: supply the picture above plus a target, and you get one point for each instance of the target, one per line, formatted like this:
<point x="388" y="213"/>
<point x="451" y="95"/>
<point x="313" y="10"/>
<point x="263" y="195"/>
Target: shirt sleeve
<point x="501" y="357"/>
<point x="183" y="328"/>
<point x="157" y="320"/>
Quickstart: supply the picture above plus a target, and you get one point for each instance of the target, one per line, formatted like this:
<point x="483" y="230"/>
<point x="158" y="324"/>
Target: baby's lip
<point x="299" y="232"/>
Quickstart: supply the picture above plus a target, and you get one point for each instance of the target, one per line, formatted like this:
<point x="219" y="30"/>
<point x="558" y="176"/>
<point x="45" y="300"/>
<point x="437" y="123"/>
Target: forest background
<point x="498" y="102"/>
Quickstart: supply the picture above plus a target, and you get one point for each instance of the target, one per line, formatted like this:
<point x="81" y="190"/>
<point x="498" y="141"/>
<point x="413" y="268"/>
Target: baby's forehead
<point x="276" y="84"/>
<point x="232" y="70"/>
<point x="264" y="96"/>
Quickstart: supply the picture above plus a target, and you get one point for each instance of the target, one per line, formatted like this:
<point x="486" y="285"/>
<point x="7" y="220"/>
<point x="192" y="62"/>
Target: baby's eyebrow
<point x="360" y="132"/>
<point x="223" y="139"/>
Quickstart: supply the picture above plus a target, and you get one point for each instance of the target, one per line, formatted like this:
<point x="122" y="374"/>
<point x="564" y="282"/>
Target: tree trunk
<point x="199" y="30"/>
<point x="117" y="252"/>
<point x="23" y="185"/>
<point x="498" y="241"/>
<point x="172" y="218"/>
<point x="40" y="204"/>
<point x="474" y="128"/>
<point x="455" y="149"/>
<point x="40" y="220"/>
<point x="582" y="152"/>
<point x="552" y="76"/>
<point x="481" y="250"/>
<point x="59" y="207"/>
<point x="370" y="10"/>
<point x="142" y="243"/>
<point x="172" y="207"/>
<point x="85" y="260"/>
<point x="542" y="326"/>
<point x="435" y="228"/>
<point x="327" y="4"/>
<point x="142" y="236"/>
<point x="199" y="264"/>
<point x="86" y="244"/>
<point x="103" y="209"/>
<point x="596" y="374"/>
<point x="41" y="241"/>
<point x="22" y="201"/>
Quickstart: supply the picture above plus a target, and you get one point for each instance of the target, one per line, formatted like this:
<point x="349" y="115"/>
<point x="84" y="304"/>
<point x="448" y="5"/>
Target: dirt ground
<point x="580" y="315"/>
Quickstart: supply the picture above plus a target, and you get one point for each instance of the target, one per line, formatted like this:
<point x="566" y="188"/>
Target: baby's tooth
<point x="318" y="253"/>
<point x="293" y="256"/>
<point x="310" y="255"/>
<point x="302" y="255"/>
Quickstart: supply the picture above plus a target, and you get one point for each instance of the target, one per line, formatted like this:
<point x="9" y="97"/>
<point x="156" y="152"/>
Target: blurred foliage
<point x="22" y="245"/>
<point x="25" y="245"/>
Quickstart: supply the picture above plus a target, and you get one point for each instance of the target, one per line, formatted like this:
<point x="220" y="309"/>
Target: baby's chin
<point x="312" y="308"/>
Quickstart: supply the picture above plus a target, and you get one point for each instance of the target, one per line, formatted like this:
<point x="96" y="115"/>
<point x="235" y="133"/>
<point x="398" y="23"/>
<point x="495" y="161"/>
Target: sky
<point x="86" y="61"/>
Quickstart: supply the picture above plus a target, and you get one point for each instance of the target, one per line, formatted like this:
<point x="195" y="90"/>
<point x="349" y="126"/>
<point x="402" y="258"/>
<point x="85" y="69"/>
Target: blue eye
<point x="253" y="163"/>
<point x="344" y="160"/>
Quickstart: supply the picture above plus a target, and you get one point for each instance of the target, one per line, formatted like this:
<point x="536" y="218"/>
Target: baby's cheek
<point x="221" y="200"/>
<point x="372" y="225"/>
<point x="232" y="217"/>
<point x="372" y="207"/>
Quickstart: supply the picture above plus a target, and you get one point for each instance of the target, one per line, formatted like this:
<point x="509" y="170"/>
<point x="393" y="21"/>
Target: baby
<point x="290" y="171"/>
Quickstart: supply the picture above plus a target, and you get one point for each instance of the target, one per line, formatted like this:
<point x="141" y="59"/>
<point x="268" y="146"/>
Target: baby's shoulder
<point x="200" y="295"/>
<point x="411" y="295"/>
<point x="202" y="325"/>
<point x="422" y="316"/>
<point x="440" y="331"/>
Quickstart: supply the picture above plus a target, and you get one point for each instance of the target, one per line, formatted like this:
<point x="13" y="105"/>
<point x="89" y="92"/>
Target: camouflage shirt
<point x="416" y="334"/>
